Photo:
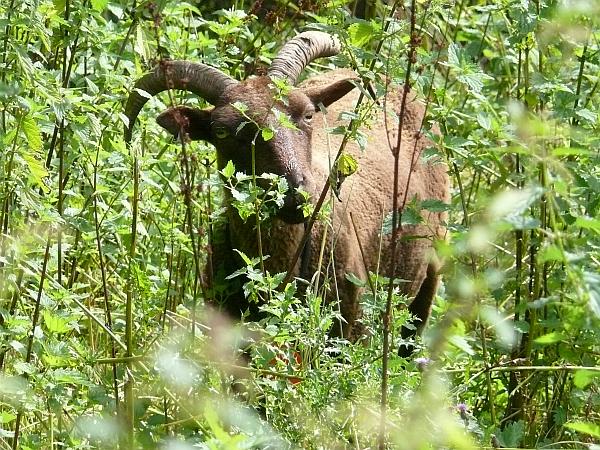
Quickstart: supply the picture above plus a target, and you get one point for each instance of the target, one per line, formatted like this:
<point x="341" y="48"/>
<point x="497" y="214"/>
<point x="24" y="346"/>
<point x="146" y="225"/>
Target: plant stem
<point x="34" y="323"/>
<point x="396" y="226"/>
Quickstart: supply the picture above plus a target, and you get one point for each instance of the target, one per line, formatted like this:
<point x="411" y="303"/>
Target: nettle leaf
<point x="433" y="205"/>
<point x="466" y="71"/>
<point x="362" y="32"/>
<point x="512" y="434"/>
<point x="99" y="5"/>
<point x="37" y="169"/>
<point x="514" y="202"/>
<point x="228" y="170"/>
<point x="267" y="134"/>
<point x="32" y="133"/>
<point x="346" y="165"/>
<point x="587" y="115"/>
<point x="55" y="323"/>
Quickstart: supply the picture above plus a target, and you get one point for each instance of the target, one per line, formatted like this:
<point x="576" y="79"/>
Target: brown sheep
<point x="303" y="156"/>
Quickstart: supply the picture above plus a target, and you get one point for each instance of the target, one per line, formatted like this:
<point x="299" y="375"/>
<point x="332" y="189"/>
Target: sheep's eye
<point x="308" y="116"/>
<point x="220" y="132"/>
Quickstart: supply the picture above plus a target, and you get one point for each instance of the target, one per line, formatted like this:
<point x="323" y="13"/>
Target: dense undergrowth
<point x="105" y="340"/>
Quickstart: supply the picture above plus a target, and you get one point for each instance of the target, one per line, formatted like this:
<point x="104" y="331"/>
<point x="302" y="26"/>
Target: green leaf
<point x="32" y="133"/>
<point x="37" y="169"/>
<point x="361" y="33"/>
<point x="588" y="223"/>
<point x="549" y="338"/>
<point x="592" y="284"/>
<point x="355" y="280"/>
<point x="54" y="323"/>
<point x="228" y="170"/>
<point x="551" y="253"/>
<point x="433" y="205"/>
<point x="585" y="427"/>
<point x="587" y="115"/>
<point x="512" y="434"/>
<point x="583" y="378"/>
<point x="267" y="134"/>
<point x="514" y="202"/>
<point x="346" y="165"/>
<point x="99" y="5"/>
<point x="6" y="417"/>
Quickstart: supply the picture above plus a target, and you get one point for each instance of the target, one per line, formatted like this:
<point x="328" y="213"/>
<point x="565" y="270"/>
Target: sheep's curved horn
<point x="204" y="81"/>
<point x="300" y="51"/>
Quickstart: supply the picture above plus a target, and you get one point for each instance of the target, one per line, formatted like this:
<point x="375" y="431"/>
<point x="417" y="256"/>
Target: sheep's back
<point x="368" y="194"/>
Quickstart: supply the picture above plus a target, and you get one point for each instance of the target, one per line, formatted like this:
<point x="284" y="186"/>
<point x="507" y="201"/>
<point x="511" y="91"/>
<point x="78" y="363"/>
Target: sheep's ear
<point x="183" y="119"/>
<point x="331" y="92"/>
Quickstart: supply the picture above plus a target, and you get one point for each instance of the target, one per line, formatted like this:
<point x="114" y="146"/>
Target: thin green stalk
<point x="107" y="306"/>
<point x="34" y="324"/>
<point x="129" y="319"/>
<point x="187" y="197"/>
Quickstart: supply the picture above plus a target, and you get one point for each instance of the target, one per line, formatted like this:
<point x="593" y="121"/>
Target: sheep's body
<point x="367" y="196"/>
<point x="303" y="155"/>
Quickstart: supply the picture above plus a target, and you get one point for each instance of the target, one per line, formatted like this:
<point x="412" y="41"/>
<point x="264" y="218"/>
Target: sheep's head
<point x="242" y="110"/>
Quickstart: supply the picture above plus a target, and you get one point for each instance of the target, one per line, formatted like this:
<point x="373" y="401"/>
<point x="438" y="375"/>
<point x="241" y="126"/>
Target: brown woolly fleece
<point x="366" y="196"/>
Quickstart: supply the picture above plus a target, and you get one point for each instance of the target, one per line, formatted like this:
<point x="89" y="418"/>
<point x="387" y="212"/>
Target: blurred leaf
<point x="592" y="284"/>
<point x="585" y="427"/>
<point x="583" y="378"/>
<point x="512" y="434"/>
<point x="550" y="338"/>
<point x="99" y="5"/>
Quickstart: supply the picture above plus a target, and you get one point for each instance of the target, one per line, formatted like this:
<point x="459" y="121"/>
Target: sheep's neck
<point x="279" y="241"/>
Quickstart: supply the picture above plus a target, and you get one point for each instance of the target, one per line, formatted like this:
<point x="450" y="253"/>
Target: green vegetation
<point x="105" y="340"/>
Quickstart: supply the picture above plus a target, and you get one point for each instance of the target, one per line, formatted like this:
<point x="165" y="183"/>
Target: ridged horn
<point x="204" y="81"/>
<point x="300" y="51"/>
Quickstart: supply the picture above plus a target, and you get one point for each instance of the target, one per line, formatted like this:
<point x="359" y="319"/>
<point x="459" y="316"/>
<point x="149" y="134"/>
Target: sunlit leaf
<point x="585" y="427"/>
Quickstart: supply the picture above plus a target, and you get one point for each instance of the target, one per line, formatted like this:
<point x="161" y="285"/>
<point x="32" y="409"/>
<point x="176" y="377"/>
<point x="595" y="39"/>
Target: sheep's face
<point x="239" y="121"/>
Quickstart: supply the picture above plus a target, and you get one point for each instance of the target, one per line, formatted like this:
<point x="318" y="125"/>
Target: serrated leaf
<point x="514" y="202"/>
<point x="484" y="121"/>
<point x="461" y="343"/>
<point x="587" y="115"/>
<point x="54" y="323"/>
<point x="512" y="434"/>
<point x="433" y="205"/>
<point x="37" y="169"/>
<point x="346" y="165"/>
<point x="228" y="170"/>
<point x="360" y="33"/>
<point x="32" y="133"/>
<point x="99" y="5"/>
<point x="267" y="134"/>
